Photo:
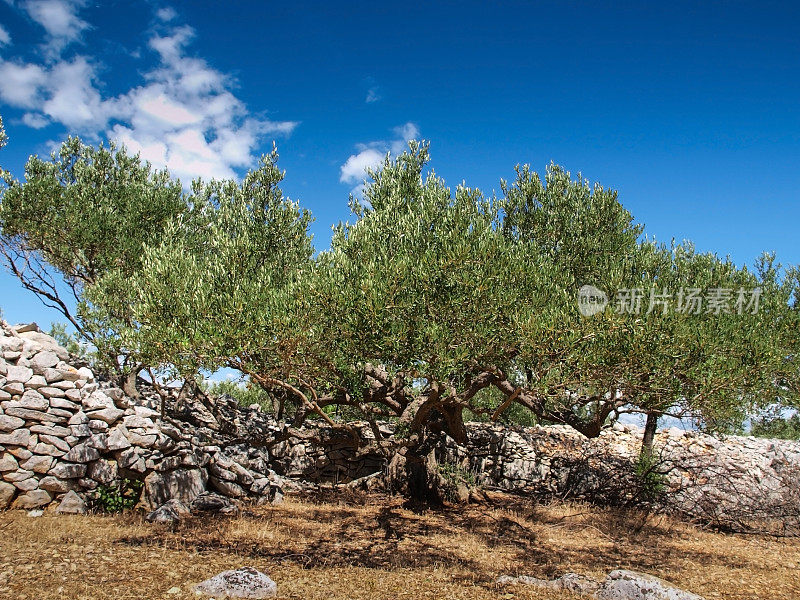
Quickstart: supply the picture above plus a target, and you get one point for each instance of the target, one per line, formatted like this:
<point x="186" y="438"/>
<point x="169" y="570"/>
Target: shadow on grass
<point x="375" y="532"/>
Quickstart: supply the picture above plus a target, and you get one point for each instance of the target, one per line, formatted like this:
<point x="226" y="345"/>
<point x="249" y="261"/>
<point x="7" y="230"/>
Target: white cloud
<point x="371" y="155"/>
<point x="35" y="120"/>
<point x="59" y="19"/>
<point x="5" y="38"/>
<point x="21" y="83"/>
<point x="182" y="116"/>
<point x="73" y="100"/>
<point x="355" y="168"/>
<point x="166" y="14"/>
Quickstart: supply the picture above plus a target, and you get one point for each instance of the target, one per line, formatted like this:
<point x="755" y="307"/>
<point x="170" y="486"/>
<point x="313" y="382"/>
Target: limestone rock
<point x="44" y="342"/>
<point x="17" y="476"/>
<point x="36" y="382"/>
<point x="33" y="499"/>
<point x="71" y="504"/>
<point x="9" y="423"/>
<point x="52" y="375"/>
<point x="97" y="401"/>
<point x="82" y="454"/>
<point x="630" y="585"/>
<point x="19" y="374"/>
<point x="102" y="471"/>
<point x="33" y="400"/>
<point x="64" y="470"/>
<point x="181" y="484"/>
<point x="227" y="488"/>
<point x="19" y="437"/>
<point x="43" y="361"/>
<point x="246" y="582"/>
<point x="38" y="464"/>
<point x="209" y="502"/>
<point x="8" y="462"/>
<point x="108" y="415"/>
<point x="52" y="392"/>
<point x="7" y="492"/>
<point x="117" y="440"/>
<point x="169" y="512"/>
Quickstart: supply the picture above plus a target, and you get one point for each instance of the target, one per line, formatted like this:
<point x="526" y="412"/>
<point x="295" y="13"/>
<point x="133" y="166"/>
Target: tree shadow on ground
<point x="377" y="532"/>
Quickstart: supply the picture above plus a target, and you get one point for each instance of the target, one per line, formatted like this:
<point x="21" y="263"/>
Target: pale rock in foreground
<point x="618" y="585"/>
<point x="629" y="585"/>
<point x="246" y="582"/>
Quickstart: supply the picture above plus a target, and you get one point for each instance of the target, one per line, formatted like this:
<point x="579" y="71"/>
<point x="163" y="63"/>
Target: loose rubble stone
<point x="208" y="502"/>
<point x="169" y="512"/>
<point x="71" y="504"/>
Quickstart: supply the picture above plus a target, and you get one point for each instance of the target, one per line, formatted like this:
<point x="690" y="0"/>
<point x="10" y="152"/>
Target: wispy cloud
<point x="60" y="20"/>
<point x="371" y="155"/>
<point x="183" y="115"/>
<point x="166" y="14"/>
<point x="373" y="95"/>
<point x="5" y="38"/>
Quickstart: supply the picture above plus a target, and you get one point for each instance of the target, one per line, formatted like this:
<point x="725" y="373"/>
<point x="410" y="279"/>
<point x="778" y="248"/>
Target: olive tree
<point x="83" y="214"/>
<point x="224" y="287"/>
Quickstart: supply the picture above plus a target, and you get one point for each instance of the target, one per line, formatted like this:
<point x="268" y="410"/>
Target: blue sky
<point x="690" y="110"/>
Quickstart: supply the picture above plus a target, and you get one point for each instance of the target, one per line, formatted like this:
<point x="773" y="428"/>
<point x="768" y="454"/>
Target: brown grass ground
<point x="371" y="547"/>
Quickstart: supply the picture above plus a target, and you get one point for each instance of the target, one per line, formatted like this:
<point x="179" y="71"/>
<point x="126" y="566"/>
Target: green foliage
<point x="120" y="495"/>
<point x="81" y="219"/>
<point x="432" y="302"/>
<point x="222" y="287"/>
<point x="454" y="478"/>
<point x="245" y="395"/>
<point x="69" y="340"/>
<point x="651" y="481"/>
<point x="777" y="427"/>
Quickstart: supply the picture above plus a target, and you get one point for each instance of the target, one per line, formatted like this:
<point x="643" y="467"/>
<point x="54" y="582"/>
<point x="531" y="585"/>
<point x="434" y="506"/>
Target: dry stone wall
<point x="64" y="434"/>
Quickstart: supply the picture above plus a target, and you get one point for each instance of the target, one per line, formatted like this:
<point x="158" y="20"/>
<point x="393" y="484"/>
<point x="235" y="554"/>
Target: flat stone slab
<point x="246" y="582"/>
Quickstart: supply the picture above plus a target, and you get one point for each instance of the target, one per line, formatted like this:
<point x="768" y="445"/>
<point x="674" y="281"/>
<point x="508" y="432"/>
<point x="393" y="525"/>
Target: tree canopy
<point x="430" y="304"/>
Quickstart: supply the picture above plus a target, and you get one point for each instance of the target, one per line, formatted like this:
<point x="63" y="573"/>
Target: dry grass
<point x="372" y="548"/>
